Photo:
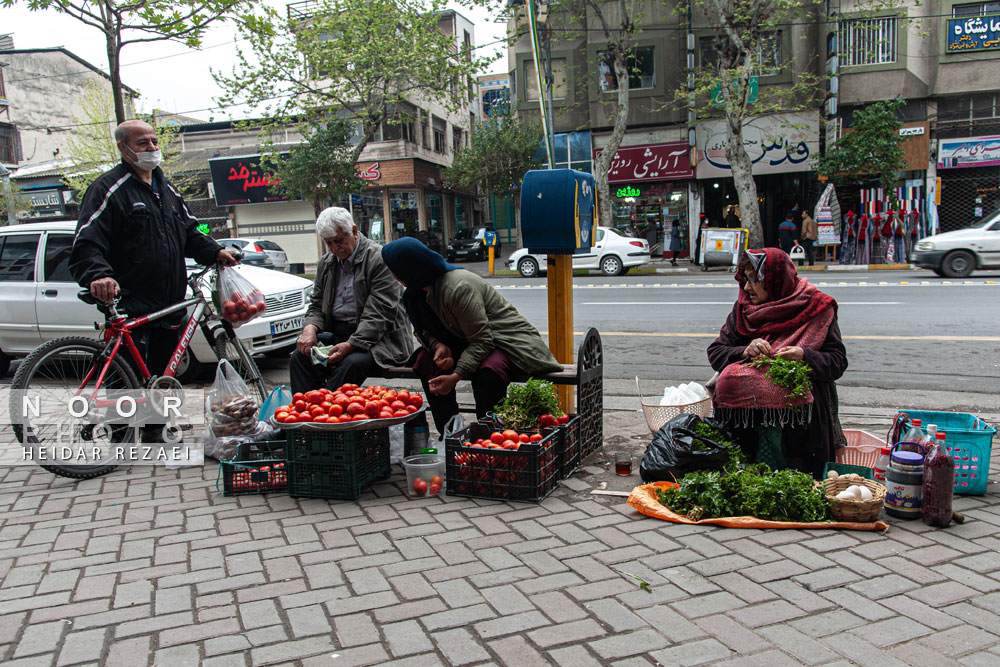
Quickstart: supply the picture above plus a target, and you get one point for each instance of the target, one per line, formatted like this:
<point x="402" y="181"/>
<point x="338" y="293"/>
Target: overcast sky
<point x="170" y="76"/>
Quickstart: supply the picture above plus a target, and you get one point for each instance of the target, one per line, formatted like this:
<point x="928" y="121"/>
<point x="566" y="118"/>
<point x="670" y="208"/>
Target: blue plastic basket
<point x="969" y="439"/>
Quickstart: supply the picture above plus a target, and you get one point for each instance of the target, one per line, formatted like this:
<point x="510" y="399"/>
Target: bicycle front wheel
<point x="229" y="347"/>
<point x="45" y="420"/>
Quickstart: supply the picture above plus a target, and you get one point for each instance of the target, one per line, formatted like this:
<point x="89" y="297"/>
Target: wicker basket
<point x="862" y="511"/>
<point x="657" y="415"/>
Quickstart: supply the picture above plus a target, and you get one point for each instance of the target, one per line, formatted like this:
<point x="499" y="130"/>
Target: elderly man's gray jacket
<point x="383" y="327"/>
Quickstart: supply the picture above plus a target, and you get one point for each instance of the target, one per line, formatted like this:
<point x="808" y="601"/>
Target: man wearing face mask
<point x="132" y="236"/>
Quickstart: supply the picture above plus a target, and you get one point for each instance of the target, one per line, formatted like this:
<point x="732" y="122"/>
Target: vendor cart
<point x="722" y="247"/>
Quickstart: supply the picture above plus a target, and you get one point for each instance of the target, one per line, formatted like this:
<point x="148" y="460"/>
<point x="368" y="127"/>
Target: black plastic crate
<point x="567" y="438"/>
<point x="336" y="464"/>
<point x="257" y="468"/>
<point x="527" y="474"/>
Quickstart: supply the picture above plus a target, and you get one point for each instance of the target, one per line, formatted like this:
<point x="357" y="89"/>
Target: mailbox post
<point x="490" y="240"/>
<point x="557" y="219"/>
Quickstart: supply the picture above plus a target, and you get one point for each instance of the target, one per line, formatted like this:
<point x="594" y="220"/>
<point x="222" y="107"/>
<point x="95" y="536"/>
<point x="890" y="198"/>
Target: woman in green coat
<point x="466" y="329"/>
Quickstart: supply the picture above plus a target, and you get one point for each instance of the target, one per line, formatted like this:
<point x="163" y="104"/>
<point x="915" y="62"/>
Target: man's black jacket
<point x="128" y="233"/>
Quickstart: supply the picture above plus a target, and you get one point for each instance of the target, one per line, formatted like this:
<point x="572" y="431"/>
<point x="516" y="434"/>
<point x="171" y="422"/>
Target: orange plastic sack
<point x="643" y="499"/>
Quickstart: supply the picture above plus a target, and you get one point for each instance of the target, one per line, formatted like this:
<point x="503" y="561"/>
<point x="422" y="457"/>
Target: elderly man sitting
<point x="357" y="300"/>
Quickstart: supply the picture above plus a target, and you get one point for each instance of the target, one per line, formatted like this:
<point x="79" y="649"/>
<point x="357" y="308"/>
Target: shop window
<point x="640" y="65"/>
<point x="435" y="223"/>
<point x="439" y="127"/>
<point x="558" y="79"/>
<point x="976" y="9"/>
<point x="405" y="216"/>
<point x="868" y="41"/>
<point x="461" y="217"/>
<point x="366" y="209"/>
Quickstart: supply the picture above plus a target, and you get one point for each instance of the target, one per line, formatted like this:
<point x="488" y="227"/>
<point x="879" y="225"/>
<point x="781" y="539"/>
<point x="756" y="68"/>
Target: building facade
<point x="40" y="96"/>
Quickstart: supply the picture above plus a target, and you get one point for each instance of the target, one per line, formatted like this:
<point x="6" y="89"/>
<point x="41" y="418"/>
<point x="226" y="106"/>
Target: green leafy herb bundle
<point x="525" y="403"/>
<point x="783" y="495"/>
<point x="792" y="376"/>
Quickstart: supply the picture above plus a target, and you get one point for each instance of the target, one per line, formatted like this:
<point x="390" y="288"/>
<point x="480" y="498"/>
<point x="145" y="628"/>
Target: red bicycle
<point x="66" y="397"/>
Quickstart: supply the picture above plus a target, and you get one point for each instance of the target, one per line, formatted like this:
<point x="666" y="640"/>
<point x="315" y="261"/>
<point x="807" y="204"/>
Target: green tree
<point x="365" y="58"/>
<point x="13" y="205"/>
<point x="92" y="149"/>
<point x="746" y="32"/>
<point x="125" y="22"/>
<point x="501" y="151"/>
<point x="322" y="168"/>
<point x="871" y="148"/>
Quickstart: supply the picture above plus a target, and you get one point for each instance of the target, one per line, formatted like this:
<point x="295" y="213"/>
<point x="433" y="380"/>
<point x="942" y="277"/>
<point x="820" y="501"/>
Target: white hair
<point x="333" y="221"/>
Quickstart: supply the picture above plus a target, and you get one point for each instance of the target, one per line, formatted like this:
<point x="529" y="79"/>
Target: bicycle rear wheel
<point x="229" y="347"/>
<point x="40" y="407"/>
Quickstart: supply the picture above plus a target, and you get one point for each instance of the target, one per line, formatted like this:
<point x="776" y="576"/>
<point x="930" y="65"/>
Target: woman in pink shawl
<point x="779" y="314"/>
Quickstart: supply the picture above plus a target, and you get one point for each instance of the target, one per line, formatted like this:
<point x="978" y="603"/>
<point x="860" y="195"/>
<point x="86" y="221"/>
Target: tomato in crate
<point x="502" y="468"/>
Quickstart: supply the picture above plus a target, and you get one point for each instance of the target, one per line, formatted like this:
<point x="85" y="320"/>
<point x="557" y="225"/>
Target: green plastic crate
<point x="336" y="464"/>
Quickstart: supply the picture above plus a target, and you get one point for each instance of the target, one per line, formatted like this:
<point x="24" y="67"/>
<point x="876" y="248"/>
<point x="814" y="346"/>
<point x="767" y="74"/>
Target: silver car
<point x="273" y="251"/>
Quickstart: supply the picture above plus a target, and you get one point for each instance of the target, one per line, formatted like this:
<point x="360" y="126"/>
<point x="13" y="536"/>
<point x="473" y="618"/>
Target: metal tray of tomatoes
<point x="359" y="425"/>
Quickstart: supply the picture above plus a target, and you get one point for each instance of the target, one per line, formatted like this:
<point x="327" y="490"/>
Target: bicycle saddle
<point x="85" y="296"/>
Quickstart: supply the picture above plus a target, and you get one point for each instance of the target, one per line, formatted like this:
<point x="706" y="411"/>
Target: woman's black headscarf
<point x="417" y="267"/>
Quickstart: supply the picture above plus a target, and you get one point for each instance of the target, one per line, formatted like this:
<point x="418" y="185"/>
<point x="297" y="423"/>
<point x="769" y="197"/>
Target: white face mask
<point x="147" y="160"/>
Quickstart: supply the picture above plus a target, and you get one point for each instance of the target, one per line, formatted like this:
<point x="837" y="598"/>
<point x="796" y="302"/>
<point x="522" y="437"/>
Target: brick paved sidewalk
<point x="151" y="566"/>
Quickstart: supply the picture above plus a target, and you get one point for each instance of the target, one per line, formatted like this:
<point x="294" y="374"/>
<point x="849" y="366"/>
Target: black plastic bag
<point x="677" y="450"/>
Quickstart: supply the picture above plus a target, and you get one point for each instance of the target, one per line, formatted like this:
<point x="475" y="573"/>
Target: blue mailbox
<point x="557" y="211"/>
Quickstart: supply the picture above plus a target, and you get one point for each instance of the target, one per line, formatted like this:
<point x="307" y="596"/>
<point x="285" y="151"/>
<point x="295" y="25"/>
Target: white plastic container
<point x="424" y="475"/>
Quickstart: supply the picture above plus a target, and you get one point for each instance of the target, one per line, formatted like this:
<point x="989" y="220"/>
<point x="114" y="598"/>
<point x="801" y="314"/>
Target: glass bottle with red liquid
<point x="939" y="484"/>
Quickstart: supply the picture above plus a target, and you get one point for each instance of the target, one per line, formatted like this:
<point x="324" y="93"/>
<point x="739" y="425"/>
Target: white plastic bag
<point x="396" y="444"/>
<point x="233" y="408"/>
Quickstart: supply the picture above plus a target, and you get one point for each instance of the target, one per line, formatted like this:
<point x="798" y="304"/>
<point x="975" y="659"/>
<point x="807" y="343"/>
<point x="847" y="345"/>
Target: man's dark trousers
<point x="355" y="367"/>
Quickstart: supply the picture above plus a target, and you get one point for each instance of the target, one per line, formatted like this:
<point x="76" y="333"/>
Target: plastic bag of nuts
<point x="233" y="408"/>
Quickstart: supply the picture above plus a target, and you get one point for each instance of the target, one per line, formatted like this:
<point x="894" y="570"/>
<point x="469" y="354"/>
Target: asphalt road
<point x="904" y="331"/>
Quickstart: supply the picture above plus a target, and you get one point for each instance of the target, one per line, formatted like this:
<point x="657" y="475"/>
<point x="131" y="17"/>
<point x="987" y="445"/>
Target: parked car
<point x="470" y="243"/>
<point x="611" y="252"/>
<point x="959" y="253"/>
<point x="38" y="300"/>
<point x="251" y="257"/>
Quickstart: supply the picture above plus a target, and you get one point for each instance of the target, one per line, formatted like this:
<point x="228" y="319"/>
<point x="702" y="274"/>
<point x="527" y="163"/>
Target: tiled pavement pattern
<point x="150" y="566"/>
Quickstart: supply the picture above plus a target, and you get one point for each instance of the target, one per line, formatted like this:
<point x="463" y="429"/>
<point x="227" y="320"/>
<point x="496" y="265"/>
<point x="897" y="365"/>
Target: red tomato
<point x="510" y="435"/>
<point x="497" y="437"/>
<point x="354" y="408"/>
<point x="400" y="413"/>
<point x="419" y="486"/>
<point x="385" y="414"/>
<point x="546" y="420"/>
<point x="410" y="409"/>
<point x="298" y="396"/>
<point x="403" y="395"/>
<point x="436" y="479"/>
<point x="509" y="444"/>
<point x="536" y="437"/>
<point x="372" y="408"/>
<point x="316" y="410"/>
<point x="320" y="419"/>
<point x="416" y="400"/>
<point x="433" y="489"/>
<point x="280" y="417"/>
<point x="314" y="396"/>
<point x="335" y="410"/>
<point x="563" y="418"/>
<point x="397" y="405"/>
<point x="360" y="418"/>
<point x="326" y="405"/>
<point x="251" y="311"/>
<point x="300" y="405"/>
<point x="524" y="437"/>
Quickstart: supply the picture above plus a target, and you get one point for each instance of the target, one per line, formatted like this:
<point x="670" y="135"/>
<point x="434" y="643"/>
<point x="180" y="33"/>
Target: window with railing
<point x="872" y="41"/>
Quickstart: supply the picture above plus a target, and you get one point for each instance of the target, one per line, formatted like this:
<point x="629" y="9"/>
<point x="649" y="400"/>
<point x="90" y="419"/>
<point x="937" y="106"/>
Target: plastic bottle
<point x="939" y="484"/>
<point x="929" y="438"/>
<point x="881" y="465"/>
<point x="914" y="436"/>
<point x="416" y="433"/>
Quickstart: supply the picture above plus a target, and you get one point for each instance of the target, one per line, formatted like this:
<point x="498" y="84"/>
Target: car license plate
<point x="284" y="326"/>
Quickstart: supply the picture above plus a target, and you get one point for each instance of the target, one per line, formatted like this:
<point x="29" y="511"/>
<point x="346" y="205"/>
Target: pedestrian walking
<point x="809" y="235"/>
<point x="652" y="234"/>
<point x="675" y="241"/>
<point x="788" y="233"/>
<point x="697" y="242"/>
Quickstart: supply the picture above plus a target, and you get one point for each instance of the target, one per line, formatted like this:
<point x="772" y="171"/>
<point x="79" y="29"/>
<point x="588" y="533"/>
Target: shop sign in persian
<point x="241" y="180"/>
<point x="776" y="144"/>
<point x="969" y="152"/>
<point x="976" y="33"/>
<point x="653" y="162"/>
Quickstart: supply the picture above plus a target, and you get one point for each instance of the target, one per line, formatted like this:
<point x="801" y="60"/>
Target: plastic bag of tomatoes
<point x="236" y="298"/>
<point x="349" y="406"/>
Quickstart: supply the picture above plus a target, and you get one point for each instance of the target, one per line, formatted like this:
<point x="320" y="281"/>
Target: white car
<point x="611" y="252"/>
<point x="269" y="248"/>
<point x="959" y="253"/>
<point x="38" y="299"/>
